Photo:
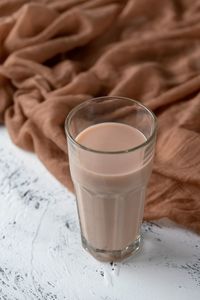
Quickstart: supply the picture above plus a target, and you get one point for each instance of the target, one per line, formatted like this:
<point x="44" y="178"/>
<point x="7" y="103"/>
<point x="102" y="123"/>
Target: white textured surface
<point x="41" y="255"/>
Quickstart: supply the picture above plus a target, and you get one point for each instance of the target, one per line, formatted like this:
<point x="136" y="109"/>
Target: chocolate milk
<point x="110" y="187"/>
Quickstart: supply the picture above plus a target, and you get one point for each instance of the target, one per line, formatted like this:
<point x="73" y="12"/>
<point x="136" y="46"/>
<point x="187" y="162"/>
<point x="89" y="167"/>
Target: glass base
<point x="115" y="255"/>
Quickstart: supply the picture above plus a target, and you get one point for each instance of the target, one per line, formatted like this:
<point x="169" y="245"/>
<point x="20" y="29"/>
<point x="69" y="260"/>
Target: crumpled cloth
<point x="55" y="54"/>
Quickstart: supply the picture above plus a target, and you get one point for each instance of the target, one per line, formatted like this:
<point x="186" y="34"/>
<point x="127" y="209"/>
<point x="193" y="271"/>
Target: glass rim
<point x="85" y="103"/>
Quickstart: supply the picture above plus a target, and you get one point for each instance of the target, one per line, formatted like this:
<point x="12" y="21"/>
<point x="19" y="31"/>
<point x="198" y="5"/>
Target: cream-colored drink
<point x="110" y="187"/>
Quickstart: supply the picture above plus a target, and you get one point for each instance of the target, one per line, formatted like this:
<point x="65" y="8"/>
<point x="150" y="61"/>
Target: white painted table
<point x="41" y="255"/>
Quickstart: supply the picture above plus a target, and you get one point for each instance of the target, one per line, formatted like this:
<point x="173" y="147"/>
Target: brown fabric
<point x="54" y="54"/>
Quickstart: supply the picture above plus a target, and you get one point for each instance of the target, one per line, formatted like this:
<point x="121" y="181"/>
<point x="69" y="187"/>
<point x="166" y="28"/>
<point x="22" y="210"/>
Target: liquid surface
<point x="110" y="137"/>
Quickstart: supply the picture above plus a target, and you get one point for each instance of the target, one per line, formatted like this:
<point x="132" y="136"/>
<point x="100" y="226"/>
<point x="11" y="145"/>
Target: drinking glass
<point x="110" y="203"/>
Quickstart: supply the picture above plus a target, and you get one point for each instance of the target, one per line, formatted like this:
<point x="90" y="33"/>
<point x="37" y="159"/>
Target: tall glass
<point x="110" y="183"/>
